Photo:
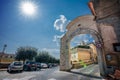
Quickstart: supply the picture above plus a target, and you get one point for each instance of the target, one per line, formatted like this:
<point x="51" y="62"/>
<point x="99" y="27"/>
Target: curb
<point x="3" y="69"/>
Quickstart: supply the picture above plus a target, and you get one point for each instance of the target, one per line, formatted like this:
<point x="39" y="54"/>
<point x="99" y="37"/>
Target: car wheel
<point x="35" y="69"/>
<point x="21" y="71"/>
<point x="9" y="70"/>
<point x="25" y="68"/>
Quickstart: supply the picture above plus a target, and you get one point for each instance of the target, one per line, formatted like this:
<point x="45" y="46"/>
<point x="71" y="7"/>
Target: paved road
<point x="89" y="73"/>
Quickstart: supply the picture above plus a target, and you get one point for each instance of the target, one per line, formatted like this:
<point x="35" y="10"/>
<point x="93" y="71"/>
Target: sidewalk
<point x="3" y="69"/>
<point x="90" y="72"/>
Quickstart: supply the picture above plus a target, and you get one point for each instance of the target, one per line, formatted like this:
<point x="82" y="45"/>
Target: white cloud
<point x="61" y="23"/>
<point x="87" y="38"/>
<point x="54" y="52"/>
<point x="51" y="50"/>
<point x="57" y="39"/>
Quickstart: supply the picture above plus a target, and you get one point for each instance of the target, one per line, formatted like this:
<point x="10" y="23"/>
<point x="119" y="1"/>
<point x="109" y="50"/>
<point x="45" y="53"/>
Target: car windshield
<point x="38" y="63"/>
<point x="17" y="63"/>
<point x="30" y="63"/>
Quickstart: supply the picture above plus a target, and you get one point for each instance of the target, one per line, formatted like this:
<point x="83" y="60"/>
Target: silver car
<point x="15" y="66"/>
<point x="44" y="65"/>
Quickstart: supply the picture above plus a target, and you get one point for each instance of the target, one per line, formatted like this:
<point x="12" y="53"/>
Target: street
<point x="89" y="73"/>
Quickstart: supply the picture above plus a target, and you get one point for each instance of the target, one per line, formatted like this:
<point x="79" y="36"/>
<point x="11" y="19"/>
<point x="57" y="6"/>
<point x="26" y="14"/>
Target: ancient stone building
<point x="104" y="27"/>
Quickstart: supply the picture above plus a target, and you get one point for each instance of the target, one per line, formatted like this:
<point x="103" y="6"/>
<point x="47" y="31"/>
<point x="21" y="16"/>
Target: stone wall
<point x="106" y="8"/>
<point x="108" y="22"/>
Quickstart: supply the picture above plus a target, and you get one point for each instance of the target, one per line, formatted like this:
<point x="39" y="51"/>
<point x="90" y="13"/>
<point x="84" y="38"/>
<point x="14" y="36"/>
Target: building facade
<point x="6" y="59"/>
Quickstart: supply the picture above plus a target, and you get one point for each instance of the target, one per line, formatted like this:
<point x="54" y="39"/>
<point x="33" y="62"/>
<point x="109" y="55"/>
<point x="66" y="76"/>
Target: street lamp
<point x="4" y="47"/>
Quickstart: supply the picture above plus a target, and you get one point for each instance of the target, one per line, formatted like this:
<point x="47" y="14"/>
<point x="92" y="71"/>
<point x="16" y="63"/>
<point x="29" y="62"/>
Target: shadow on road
<point x="14" y="72"/>
<point x="87" y="75"/>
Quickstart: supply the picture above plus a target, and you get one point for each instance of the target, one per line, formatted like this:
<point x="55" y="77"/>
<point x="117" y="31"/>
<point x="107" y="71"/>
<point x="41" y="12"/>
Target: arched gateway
<point x="81" y="25"/>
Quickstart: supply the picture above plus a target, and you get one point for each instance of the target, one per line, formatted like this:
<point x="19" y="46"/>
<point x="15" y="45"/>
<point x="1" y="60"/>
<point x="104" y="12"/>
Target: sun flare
<point x="28" y="8"/>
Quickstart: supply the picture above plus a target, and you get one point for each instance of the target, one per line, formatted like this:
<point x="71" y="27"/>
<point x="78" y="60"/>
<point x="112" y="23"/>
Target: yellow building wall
<point x="6" y="60"/>
<point x="83" y="55"/>
<point x="94" y="50"/>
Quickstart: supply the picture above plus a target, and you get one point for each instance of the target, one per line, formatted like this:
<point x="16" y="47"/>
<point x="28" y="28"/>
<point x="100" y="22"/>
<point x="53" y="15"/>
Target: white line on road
<point x="25" y="78"/>
<point x="9" y="79"/>
<point x="52" y="79"/>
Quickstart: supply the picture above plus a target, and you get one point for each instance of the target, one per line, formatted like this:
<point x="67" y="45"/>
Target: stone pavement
<point x="90" y="72"/>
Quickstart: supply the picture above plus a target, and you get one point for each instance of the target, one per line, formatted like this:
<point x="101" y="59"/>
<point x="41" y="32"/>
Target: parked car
<point x="50" y="65"/>
<point x="15" y="66"/>
<point x="55" y="64"/>
<point x="44" y="65"/>
<point x="30" y="66"/>
<point x="38" y="65"/>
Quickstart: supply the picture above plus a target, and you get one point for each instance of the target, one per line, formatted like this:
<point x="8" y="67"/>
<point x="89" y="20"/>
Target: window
<point x="116" y="47"/>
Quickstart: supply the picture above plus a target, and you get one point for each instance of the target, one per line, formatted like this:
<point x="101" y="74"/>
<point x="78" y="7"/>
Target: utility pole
<point x="4" y="47"/>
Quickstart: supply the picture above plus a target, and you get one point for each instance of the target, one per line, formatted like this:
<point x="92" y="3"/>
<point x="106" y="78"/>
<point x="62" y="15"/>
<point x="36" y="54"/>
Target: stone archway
<point x="81" y="25"/>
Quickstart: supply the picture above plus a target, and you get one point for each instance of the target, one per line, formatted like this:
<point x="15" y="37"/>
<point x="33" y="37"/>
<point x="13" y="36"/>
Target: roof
<point x="6" y="54"/>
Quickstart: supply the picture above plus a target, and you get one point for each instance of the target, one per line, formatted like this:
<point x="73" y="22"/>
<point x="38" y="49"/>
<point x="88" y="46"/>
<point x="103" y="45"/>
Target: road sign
<point x="98" y="44"/>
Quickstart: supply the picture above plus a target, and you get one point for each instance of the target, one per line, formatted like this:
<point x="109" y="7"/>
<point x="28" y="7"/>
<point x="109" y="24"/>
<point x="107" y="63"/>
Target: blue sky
<point x="42" y="31"/>
<point x="80" y="39"/>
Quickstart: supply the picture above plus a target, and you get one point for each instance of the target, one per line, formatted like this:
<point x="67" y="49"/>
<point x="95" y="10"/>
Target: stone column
<point x="65" y="64"/>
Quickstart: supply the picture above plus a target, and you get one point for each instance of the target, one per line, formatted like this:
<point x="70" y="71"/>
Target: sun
<point x="28" y="8"/>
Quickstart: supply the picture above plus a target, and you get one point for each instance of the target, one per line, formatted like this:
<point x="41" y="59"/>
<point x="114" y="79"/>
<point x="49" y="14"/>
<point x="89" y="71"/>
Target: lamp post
<point x="4" y="47"/>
